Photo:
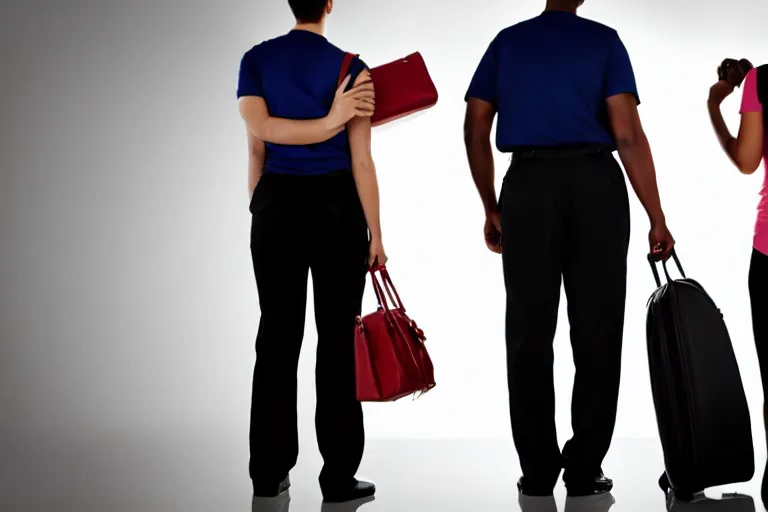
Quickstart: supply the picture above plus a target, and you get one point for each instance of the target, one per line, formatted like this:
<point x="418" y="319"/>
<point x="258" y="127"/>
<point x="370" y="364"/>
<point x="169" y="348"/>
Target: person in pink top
<point x="746" y="151"/>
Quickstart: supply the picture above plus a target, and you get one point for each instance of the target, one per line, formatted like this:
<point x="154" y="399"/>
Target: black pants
<point x="564" y="218"/>
<point x="758" y="294"/>
<point x="303" y="223"/>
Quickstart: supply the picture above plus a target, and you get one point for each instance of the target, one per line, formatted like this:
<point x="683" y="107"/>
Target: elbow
<point x="474" y="138"/>
<point x="748" y="167"/>
<point x="363" y="165"/>
<point x="746" y="159"/>
<point x="629" y="139"/>
<point x="258" y="131"/>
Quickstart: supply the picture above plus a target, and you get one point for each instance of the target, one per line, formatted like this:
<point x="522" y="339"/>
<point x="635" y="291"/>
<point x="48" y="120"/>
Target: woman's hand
<point x="358" y="101"/>
<point x="731" y="73"/>
<point x="718" y="92"/>
<point x="376" y="254"/>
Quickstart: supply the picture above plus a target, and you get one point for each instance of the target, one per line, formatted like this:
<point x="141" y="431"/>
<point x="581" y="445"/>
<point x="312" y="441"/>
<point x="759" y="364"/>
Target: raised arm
<point x="364" y="171"/>
<point x="746" y="150"/>
<point x="253" y="108"/>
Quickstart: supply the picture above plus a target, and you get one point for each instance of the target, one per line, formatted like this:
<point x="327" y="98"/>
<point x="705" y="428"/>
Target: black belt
<point x="560" y="152"/>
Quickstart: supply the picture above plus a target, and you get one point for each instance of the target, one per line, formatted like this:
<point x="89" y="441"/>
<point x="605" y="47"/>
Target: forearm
<point x="638" y="162"/>
<point x="277" y="130"/>
<point x="255" y="164"/>
<point x="727" y="141"/>
<point x="480" y="156"/>
<point x="368" y="190"/>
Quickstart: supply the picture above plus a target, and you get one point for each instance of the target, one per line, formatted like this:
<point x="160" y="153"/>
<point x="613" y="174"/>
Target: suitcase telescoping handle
<point x="664" y="265"/>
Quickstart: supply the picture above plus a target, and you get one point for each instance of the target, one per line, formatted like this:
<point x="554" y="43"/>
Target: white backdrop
<point x="125" y="208"/>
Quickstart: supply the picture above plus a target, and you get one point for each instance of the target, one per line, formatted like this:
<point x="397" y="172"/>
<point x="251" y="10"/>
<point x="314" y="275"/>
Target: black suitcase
<point x="701" y="408"/>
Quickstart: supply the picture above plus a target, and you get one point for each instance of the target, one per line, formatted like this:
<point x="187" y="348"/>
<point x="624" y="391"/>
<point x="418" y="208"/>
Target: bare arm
<point x="746" y="150"/>
<point x="364" y="171"/>
<point x="255" y="162"/>
<point x="635" y="153"/>
<point x="359" y="101"/>
<point x="477" y="139"/>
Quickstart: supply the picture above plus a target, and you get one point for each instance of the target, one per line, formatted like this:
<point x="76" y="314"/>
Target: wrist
<point x="657" y="219"/>
<point x="490" y="207"/>
<point x="332" y="124"/>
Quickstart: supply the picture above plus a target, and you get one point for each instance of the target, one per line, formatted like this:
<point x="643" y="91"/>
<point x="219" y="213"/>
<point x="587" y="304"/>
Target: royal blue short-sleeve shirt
<point x="549" y="77"/>
<point x="296" y="74"/>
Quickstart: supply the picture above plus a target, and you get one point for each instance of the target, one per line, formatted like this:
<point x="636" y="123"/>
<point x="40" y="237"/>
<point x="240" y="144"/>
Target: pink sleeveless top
<point x="751" y="103"/>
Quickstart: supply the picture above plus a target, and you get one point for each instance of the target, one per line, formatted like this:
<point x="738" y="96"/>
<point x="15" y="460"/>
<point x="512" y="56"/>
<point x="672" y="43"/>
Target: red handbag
<point x="403" y="87"/>
<point x="391" y="360"/>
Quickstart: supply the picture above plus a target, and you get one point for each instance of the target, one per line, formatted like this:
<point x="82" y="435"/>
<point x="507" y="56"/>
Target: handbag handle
<point x="664" y="265"/>
<point x="346" y="63"/>
<point x="385" y="288"/>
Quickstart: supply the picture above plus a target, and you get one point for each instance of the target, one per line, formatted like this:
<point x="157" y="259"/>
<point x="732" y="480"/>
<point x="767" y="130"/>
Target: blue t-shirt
<point x="549" y="77"/>
<point x="297" y="76"/>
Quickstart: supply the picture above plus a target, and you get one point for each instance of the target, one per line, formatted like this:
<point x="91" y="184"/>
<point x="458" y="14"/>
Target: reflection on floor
<point x="182" y="471"/>
<point x="600" y="503"/>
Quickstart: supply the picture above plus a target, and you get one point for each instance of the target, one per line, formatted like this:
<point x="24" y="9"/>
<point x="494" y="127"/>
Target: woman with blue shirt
<point x="315" y="206"/>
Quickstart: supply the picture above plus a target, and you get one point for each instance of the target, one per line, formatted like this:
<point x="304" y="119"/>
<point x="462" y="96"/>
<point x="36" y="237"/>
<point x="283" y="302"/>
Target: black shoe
<point x="534" y="489"/>
<point x="598" y="485"/>
<point x="764" y="489"/>
<point x="271" y="490"/>
<point x="358" y="491"/>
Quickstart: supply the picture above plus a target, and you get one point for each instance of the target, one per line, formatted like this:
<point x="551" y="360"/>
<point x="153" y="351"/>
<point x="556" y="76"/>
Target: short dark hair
<point x="308" y="11"/>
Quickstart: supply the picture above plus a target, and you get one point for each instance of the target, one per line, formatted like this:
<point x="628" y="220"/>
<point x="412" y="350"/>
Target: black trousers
<point x="758" y="294"/>
<point x="564" y="218"/>
<point x="303" y="223"/>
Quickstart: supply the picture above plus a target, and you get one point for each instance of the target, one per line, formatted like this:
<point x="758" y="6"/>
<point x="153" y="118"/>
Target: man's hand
<point x="661" y="242"/>
<point x="358" y="101"/>
<point x="492" y="231"/>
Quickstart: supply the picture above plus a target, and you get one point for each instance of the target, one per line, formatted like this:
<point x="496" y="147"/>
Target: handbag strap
<point x="666" y="271"/>
<point x="390" y="287"/>
<point x="385" y="288"/>
<point x="381" y="299"/>
<point x="346" y="63"/>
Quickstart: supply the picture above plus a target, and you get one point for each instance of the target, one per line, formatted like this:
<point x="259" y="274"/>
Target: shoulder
<point x="750" y="80"/>
<point x="514" y="31"/>
<point x="259" y="50"/>
<point x="252" y="56"/>
<point x="598" y="28"/>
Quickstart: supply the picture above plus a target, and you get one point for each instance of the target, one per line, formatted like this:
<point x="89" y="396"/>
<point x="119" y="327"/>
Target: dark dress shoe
<point x="598" y="485"/>
<point x="271" y="490"/>
<point x="357" y="491"/>
<point x="534" y="489"/>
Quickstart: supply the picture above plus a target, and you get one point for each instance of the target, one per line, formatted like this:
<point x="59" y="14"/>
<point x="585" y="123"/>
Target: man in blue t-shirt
<point x="565" y="95"/>
<point x="315" y="208"/>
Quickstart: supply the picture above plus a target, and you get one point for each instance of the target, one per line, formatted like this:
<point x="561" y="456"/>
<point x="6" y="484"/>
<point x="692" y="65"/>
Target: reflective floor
<point x="207" y="472"/>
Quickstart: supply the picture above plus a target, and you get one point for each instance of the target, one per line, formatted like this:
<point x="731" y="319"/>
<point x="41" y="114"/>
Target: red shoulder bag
<point x="390" y="356"/>
<point x="403" y="87"/>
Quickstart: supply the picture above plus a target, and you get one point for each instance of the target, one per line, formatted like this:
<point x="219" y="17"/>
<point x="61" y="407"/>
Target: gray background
<point x="128" y="305"/>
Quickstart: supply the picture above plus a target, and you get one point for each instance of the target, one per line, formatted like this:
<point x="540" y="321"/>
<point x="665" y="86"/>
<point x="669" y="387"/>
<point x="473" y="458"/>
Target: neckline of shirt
<point x="303" y="31"/>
